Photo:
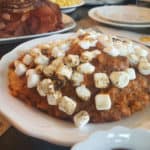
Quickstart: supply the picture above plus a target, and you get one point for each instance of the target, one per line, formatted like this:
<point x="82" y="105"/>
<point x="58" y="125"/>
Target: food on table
<point x="145" y="39"/>
<point x="26" y="17"/>
<point x="66" y="3"/>
<point x="88" y="77"/>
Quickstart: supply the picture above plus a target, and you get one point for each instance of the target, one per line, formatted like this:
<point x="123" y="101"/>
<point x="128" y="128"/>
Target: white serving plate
<point x="69" y="24"/>
<point x="93" y="15"/>
<point x="121" y="14"/>
<point x="119" y="137"/>
<point x="37" y="124"/>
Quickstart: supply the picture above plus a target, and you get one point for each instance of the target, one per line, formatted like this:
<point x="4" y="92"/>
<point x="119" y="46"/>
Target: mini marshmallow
<point x="72" y="60"/>
<point x="131" y="73"/>
<point x="20" y="69"/>
<point x="103" y="102"/>
<point x="67" y="105"/>
<point x="144" y="67"/>
<point x="86" y="68"/>
<point x="81" y="119"/>
<point x="77" y="78"/>
<point x="65" y="71"/>
<point x="41" y="60"/>
<point x="101" y="80"/>
<point x="83" y="93"/>
<point x="27" y="59"/>
<point x="120" y="79"/>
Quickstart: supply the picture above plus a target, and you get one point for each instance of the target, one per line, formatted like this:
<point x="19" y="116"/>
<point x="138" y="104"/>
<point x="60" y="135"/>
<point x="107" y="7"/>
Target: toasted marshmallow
<point x="41" y="60"/>
<point x="30" y="71"/>
<point x="81" y="119"/>
<point x="65" y="46"/>
<point x="86" y="68"/>
<point x="56" y="52"/>
<point x="103" y="102"/>
<point x="65" y="71"/>
<point x="122" y="48"/>
<point x="96" y="52"/>
<point x="89" y="33"/>
<point x="105" y="40"/>
<point x="35" y="52"/>
<point x="27" y="59"/>
<point x="32" y="80"/>
<point x="77" y="78"/>
<point x="88" y="56"/>
<point x="130" y="46"/>
<point x="83" y="93"/>
<point x="144" y="67"/>
<point x="133" y="59"/>
<point x="57" y="62"/>
<point x="20" y="69"/>
<point x="112" y="51"/>
<point x="140" y="52"/>
<point x="44" y="46"/>
<point x="92" y="35"/>
<point x="131" y="73"/>
<point x="86" y="44"/>
<point x="39" y="68"/>
<point x="120" y="79"/>
<point x="45" y="87"/>
<point x="72" y="60"/>
<point x="81" y="32"/>
<point x="49" y="70"/>
<point x="67" y="105"/>
<point x="54" y="98"/>
<point x="101" y="80"/>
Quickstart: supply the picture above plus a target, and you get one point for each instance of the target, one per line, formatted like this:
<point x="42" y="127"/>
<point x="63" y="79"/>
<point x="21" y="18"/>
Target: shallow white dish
<point x="116" y="138"/>
<point x="93" y="15"/>
<point x="37" y="124"/>
<point x="72" y="8"/>
<point x="69" y="24"/>
<point x="120" y="14"/>
<point x="102" y="2"/>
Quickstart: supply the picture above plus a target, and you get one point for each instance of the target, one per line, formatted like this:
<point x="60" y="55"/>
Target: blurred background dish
<point x="68" y="22"/>
<point x="120" y="14"/>
<point x="113" y="2"/>
<point x="68" y="6"/>
<point x="20" y="18"/>
<point x="65" y="3"/>
<point x="93" y="14"/>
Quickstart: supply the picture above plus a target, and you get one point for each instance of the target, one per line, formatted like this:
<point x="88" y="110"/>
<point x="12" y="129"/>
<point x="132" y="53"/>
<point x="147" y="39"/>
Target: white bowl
<point x="119" y="137"/>
<point x="37" y="124"/>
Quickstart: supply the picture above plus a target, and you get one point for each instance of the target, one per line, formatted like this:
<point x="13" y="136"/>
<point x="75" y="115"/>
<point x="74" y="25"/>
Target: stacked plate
<point x="69" y="24"/>
<point x="122" y="16"/>
<point x="102" y="2"/>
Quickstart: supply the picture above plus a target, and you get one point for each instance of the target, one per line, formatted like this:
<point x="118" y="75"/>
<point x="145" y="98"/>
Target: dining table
<point x="13" y="139"/>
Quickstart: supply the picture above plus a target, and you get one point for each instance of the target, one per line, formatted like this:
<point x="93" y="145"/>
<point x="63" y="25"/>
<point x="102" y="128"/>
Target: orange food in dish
<point x="107" y="88"/>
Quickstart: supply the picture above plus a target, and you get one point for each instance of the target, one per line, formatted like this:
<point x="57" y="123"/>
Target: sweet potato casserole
<point x="89" y="77"/>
